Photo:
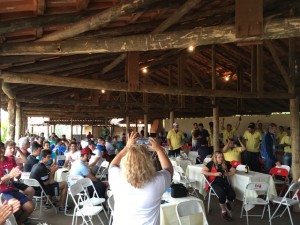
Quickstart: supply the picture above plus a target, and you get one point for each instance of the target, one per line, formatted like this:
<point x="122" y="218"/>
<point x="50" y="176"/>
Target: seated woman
<point x="136" y="186"/>
<point x="218" y="170"/>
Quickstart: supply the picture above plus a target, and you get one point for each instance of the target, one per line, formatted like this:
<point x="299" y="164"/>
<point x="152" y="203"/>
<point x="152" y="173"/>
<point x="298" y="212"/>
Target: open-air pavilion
<point x="81" y="61"/>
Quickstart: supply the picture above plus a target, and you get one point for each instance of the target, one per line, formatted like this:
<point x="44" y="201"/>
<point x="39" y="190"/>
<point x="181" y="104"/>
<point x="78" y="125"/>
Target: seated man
<point x="96" y="159"/>
<point x="72" y="155"/>
<point x="79" y="168"/>
<point x="9" y="171"/>
<point x="41" y="174"/>
<point x="231" y="152"/>
<point x="32" y="160"/>
<point x="10" y="147"/>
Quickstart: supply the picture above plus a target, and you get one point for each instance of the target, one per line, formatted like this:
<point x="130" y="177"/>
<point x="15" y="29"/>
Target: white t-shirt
<point x="73" y="155"/>
<point x="109" y="148"/>
<point x="97" y="153"/>
<point x="137" y="206"/>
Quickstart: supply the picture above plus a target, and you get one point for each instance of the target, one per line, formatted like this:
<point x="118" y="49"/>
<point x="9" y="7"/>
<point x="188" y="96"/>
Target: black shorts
<point x="50" y="189"/>
<point x="20" y="186"/>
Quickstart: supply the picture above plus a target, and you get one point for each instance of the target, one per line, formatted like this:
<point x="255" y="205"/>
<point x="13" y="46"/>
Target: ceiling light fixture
<point x="103" y="91"/>
<point x="145" y="70"/>
<point x="191" y="48"/>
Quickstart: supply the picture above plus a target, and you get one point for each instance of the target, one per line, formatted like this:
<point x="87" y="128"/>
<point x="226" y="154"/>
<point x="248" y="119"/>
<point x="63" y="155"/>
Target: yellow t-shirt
<point x="175" y="138"/>
<point x="233" y="154"/>
<point x="281" y="135"/>
<point x="287" y="140"/>
<point x="228" y="134"/>
<point x="253" y="141"/>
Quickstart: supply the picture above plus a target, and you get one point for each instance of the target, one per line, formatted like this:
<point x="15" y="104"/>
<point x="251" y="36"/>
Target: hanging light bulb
<point x="145" y="70"/>
<point x="103" y="91"/>
<point x="227" y="78"/>
<point x="191" y="48"/>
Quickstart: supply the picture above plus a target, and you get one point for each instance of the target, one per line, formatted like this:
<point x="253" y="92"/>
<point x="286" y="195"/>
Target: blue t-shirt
<point x="60" y="150"/>
<point x="79" y="168"/>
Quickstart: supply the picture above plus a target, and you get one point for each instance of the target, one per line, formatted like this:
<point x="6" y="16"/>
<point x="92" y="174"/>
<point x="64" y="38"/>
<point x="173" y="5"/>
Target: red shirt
<point x="5" y="167"/>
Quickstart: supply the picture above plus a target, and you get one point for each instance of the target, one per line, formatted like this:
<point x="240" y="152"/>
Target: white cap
<point x="175" y="124"/>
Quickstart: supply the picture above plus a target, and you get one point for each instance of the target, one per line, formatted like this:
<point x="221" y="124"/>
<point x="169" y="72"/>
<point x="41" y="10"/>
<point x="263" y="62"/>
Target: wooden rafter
<point x="281" y="28"/>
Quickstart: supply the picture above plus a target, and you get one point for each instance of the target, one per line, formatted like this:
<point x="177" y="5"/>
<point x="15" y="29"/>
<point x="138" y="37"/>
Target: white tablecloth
<point x="238" y="181"/>
<point x="168" y="211"/>
<point x="61" y="175"/>
<point x="193" y="172"/>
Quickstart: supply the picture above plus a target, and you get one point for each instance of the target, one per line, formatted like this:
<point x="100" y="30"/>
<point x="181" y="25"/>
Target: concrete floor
<point x="214" y="217"/>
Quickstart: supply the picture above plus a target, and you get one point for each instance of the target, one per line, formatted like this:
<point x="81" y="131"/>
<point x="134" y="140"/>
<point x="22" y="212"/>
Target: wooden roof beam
<point x="68" y="82"/>
<point x="96" y="21"/>
<point x="281" y="28"/>
<point x="162" y="27"/>
<point x="278" y="63"/>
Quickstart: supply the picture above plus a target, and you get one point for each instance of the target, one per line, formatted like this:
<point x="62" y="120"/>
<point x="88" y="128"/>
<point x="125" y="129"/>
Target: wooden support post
<point x="145" y="125"/>
<point x="216" y="125"/>
<point x="11" y="109"/>
<point x="54" y="128"/>
<point x="71" y="128"/>
<point x="127" y="128"/>
<point x="260" y="75"/>
<point x="81" y="128"/>
<point x="295" y="134"/>
<point x="48" y="131"/>
<point x="171" y="119"/>
<point x="136" y="125"/>
<point x="295" y="118"/>
<point x="253" y="69"/>
<point x="214" y="101"/>
<point x="18" y="122"/>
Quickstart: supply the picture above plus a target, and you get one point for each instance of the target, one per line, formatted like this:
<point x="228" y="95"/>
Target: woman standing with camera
<point x="136" y="186"/>
<point x="218" y="170"/>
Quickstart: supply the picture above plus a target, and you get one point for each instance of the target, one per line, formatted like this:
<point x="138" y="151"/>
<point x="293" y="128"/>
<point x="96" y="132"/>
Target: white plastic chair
<point x="43" y="196"/>
<point x="95" y="199"/>
<point x="207" y="160"/>
<point x="287" y="202"/>
<point x="190" y="213"/>
<point x="71" y="179"/>
<point x="176" y="177"/>
<point x="192" y="156"/>
<point x="263" y="189"/>
<point x="241" y="168"/>
<point x="185" y="180"/>
<point x="211" y="192"/>
<point x="87" y="211"/>
<point x="60" y="158"/>
<point x="103" y="170"/>
<point x="11" y="219"/>
<point x="111" y="205"/>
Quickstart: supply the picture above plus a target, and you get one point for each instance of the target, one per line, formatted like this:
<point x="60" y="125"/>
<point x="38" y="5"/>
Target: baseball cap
<point x="86" y="151"/>
<point x="175" y="124"/>
<point x="251" y="126"/>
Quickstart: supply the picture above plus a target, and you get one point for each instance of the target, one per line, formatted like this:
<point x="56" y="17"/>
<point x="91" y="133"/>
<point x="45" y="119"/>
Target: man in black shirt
<point x="32" y="160"/>
<point x="203" y="142"/>
<point x="46" y="179"/>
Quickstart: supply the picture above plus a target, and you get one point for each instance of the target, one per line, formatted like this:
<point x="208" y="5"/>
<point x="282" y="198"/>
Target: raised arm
<point x="131" y="140"/>
<point x="242" y="144"/>
<point x="164" y="160"/>
<point x="238" y="123"/>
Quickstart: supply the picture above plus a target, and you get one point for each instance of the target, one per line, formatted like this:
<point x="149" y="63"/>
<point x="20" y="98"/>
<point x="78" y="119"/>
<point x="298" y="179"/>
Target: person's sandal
<point x="226" y="217"/>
